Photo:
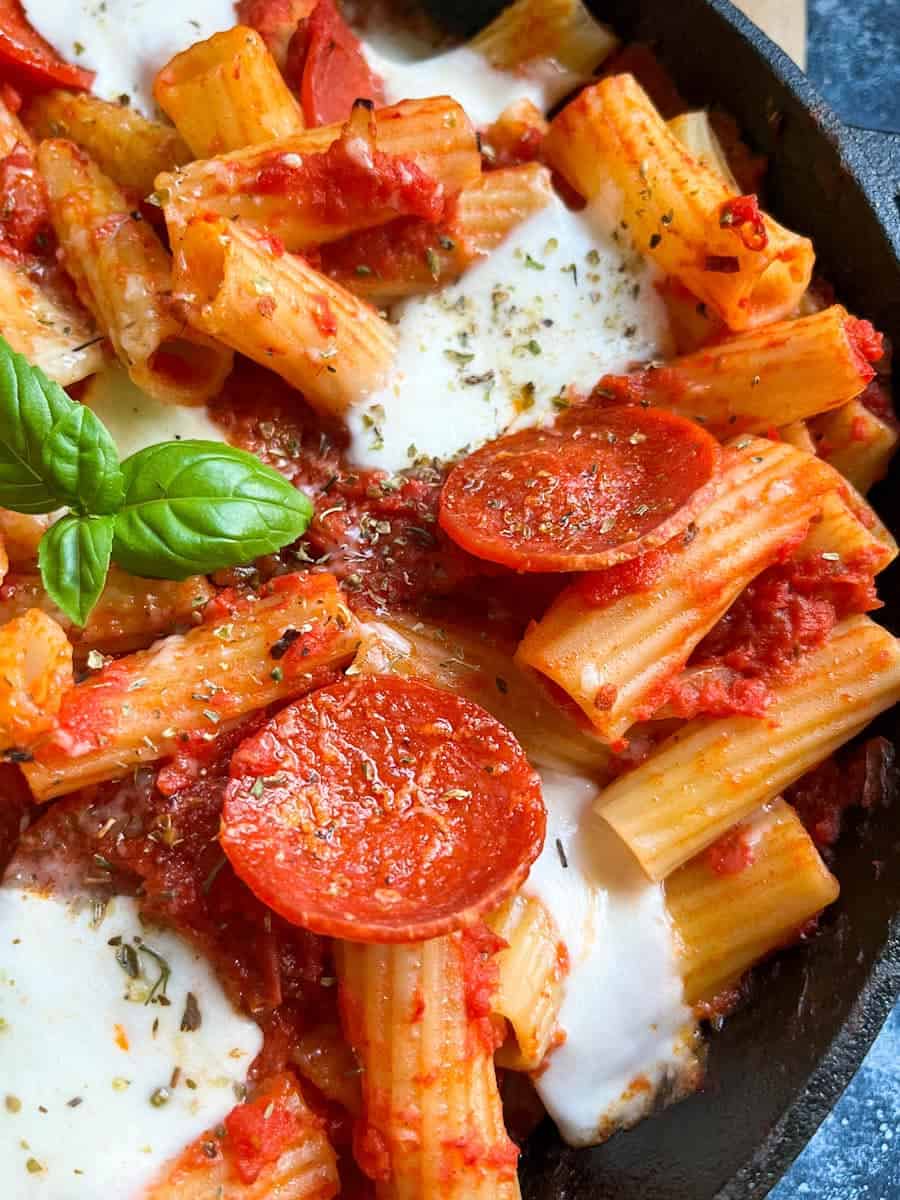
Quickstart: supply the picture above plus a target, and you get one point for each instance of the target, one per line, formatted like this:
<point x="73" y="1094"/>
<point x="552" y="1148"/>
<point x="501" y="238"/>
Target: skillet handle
<point x="874" y="155"/>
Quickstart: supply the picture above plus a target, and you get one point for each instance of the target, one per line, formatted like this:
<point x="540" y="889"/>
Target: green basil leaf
<point x="79" y="460"/>
<point x="30" y="406"/>
<point x="193" y="507"/>
<point x="74" y="558"/>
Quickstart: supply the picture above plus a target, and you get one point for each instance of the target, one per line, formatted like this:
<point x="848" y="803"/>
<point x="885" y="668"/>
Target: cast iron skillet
<point x="781" y="1062"/>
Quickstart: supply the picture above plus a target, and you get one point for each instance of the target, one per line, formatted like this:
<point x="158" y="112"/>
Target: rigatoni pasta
<point x="679" y="211"/>
<point x="388" y="264"/>
<point x="694" y="130"/>
<point x="615" y="657"/>
<point x="227" y="93"/>
<point x="35" y="673"/>
<point x="278" y="186"/>
<point x="532" y="971"/>
<point x="129" y="614"/>
<point x="726" y="921"/>
<point x="49" y="327"/>
<point x="857" y="442"/>
<point x="433" y="1124"/>
<point x="529" y="30"/>
<point x="760" y="379"/>
<point x="236" y="287"/>
<point x="305" y="1168"/>
<point x="124" y="275"/>
<point x="714" y="772"/>
<point x="143" y="708"/>
<point x="125" y="145"/>
<point x="848" y="530"/>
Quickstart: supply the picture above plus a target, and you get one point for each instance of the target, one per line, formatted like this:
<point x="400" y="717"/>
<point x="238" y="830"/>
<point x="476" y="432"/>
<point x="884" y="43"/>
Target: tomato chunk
<point x="32" y="60"/>
<point x="601" y="486"/>
<point x="335" y="71"/>
<point x="382" y="809"/>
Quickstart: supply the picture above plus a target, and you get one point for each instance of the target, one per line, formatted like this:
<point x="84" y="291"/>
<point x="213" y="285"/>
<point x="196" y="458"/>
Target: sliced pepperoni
<point x="382" y="809"/>
<point x="601" y="486"/>
<point x="335" y="71"/>
<point x="30" y="59"/>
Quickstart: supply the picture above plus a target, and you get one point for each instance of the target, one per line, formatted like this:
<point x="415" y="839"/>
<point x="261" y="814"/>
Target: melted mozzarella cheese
<point x="136" y="420"/>
<point x="127" y="41"/>
<point x="464" y="74"/>
<point x="81" y="1060"/>
<point x="627" y="1031"/>
<point x="561" y="302"/>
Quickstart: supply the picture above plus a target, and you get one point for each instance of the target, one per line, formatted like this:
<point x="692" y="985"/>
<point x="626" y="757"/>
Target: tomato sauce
<point x="166" y="846"/>
<point x="407" y="248"/>
<point x="786" y="612"/>
<point x="600" y="588"/>
<point x="258" y="1132"/>
<point x="352" y="176"/>
<point x="378" y="533"/>
<point x="25" y="228"/>
<point x="718" y="693"/>
<point x="857" y="776"/>
<point x="742" y="214"/>
<point x="480" y="945"/>
<point x="731" y="854"/>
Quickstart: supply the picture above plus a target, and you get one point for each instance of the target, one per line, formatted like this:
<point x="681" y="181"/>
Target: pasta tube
<point x="411" y="257"/>
<point x="130" y="613"/>
<point x="726" y="922"/>
<point x="278" y="311"/>
<point x="682" y="213"/>
<point x="35" y="673"/>
<point x="714" y="772"/>
<point x="533" y="968"/>
<point x="48" y="326"/>
<point x="760" y="379"/>
<point x="562" y="30"/>
<point x="124" y="276"/>
<point x="279" y="187"/>
<point x="300" y="1165"/>
<point x="856" y="442"/>
<point x="432" y="1118"/>
<point x="226" y="93"/>
<point x="615" y="657"/>
<point x="144" y="707"/>
<point x="695" y="132"/>
<point x="851" y="530"/>
<point x="797" y="434"/>
<point x="126" y="146"/>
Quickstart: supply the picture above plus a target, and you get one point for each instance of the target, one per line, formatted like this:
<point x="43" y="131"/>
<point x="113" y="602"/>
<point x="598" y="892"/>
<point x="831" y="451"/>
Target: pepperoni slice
<point x="382" y="809"/>
<point x="32" y="60"/>
<point x="601" y="486"/>
<point x="335" y="71"/>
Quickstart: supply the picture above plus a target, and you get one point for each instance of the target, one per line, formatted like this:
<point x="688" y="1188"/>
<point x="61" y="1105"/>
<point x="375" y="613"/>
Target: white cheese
<point x="562" y="301"/>
<point x="81" y="1061"/>
<point x="623" y="1016"/>
<point x="464" y="74"/>
<point x="127" y="41"/>
<point x="136" y="420"/>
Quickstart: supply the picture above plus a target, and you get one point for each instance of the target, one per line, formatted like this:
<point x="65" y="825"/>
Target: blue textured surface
<point x="856" y="1153"/>
<point x="854" y="60"/>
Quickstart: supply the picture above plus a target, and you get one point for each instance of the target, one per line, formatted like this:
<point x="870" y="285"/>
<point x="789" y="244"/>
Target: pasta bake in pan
<point x="436" y="586"/>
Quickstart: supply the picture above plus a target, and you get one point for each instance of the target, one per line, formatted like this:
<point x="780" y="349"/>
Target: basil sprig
<point x="171" y="510"/>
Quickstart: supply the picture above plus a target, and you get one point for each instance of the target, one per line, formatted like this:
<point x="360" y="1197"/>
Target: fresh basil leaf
<point x="73" y="556"/>
<point x="80" y="462"/>
<point x="193" y="507"/>
<point x="30" y="406"/>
